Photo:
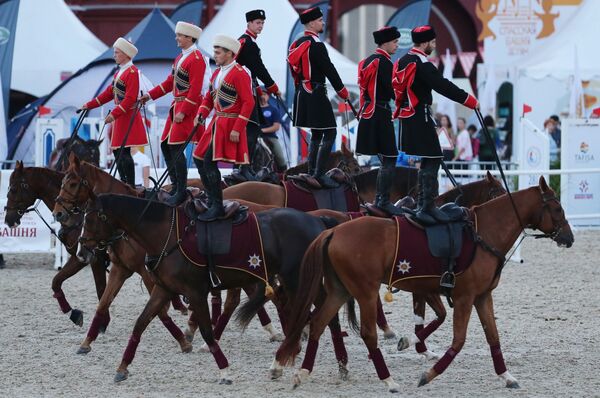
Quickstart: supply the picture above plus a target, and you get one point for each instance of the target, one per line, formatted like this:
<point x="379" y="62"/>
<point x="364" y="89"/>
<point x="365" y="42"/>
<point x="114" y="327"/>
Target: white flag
<point x="445" y="105"/>
<point x="488" y="96"/>
<point x="576" y="102"/>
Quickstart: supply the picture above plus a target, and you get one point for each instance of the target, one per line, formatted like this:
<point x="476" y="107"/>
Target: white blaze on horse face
<point x="418" y="319"/>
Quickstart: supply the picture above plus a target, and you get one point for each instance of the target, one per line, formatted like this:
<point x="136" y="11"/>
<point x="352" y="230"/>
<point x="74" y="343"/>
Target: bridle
<point x="558" y="223"/>
<point x="19" y="208"/>
<point x="102" y="244"/>
<point x="73" y="199"/>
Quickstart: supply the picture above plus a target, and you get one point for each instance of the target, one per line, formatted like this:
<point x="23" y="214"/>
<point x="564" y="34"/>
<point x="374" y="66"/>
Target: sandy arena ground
<point x="548" y="313"/>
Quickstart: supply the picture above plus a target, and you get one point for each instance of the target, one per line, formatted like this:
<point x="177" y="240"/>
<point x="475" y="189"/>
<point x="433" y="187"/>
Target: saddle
<point x="163" y="195"/>
<point x="214" y="237"/>
<point x="263" y="175"/>
<point x="407" y="201"/>
<point x="311" y="182"/>
<point x="445" y="241"/>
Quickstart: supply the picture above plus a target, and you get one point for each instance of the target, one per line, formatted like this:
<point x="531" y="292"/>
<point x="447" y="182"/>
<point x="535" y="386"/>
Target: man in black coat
<point x="376" y="135"/>
<point x="310" y="65"/>
<point x="249" y="56"/>
<point x="414" y="78"/>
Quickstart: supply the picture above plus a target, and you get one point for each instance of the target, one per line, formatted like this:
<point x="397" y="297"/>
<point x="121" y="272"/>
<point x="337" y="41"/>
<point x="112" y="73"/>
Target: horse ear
<point x="543" y="185"/>
<point x="346" y="151"/>
<point x="19" y="165"/>
<point x="489" y="176"/>
<point x="73" y="159"/>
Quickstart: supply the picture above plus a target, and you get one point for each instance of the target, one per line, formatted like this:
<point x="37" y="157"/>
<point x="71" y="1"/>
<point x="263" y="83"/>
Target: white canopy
<point x="50" y="40"/>
<point x="556" y="57"/>
<point x="273" y="41"/>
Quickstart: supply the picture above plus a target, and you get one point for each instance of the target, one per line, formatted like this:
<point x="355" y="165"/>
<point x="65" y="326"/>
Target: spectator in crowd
<point x="463" y="149"/>
<point x="272" y="123"/>
<point x="486" y="149"/>
<point x="446" y="124"/>
<point x="474" y="141"/>
<point x="556" y="133"/>
<point x="142" y="167"/>
<point x="550" y="126"/>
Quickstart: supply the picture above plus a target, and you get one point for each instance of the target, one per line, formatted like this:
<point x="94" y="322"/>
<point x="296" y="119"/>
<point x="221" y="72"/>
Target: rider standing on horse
<point x="249" y="56"/>
<point x="123" y="91"/>
<point x="414" y="78"/>
<point x="230" y="95"/>
<point x="376" y="134"/>
<point x="187" y="83"/>
<point x="310" y="65"/>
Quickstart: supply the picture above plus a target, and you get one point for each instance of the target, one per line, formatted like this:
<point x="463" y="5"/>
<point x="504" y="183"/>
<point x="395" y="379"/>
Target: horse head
<point x="74" y="191"/>
<point x="347" y="162"/>
<point x="96" y="232"/>
<point x="551" y="218"/>
<point x="480" y="191"/>
<point x="20" y="196"/>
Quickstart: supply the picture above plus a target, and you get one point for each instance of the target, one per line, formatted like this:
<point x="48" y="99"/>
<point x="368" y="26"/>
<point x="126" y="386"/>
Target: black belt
<point x="381" y="104"/>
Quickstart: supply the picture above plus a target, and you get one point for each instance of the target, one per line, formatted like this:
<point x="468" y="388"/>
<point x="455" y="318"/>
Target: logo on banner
<point x="584" y="155"/>
<point x="534" y="156"/>
<point x="584" y="193"/>
<point x="4" y="35"/>
<point x="405" y="40"/>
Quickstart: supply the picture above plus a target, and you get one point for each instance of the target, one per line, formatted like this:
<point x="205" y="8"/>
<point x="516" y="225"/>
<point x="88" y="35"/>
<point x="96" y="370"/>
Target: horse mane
<point x="129" y="208"/>
<point x="99" y="171"/>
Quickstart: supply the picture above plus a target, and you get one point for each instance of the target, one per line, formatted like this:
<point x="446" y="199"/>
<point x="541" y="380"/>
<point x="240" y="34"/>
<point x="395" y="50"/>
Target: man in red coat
<point x="123" y="91"/>
<point x="230" y="96"/>
<point x="186" y="82"/>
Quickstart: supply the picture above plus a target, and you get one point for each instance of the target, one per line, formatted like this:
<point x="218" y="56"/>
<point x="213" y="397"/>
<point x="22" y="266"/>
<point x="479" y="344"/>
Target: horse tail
<point x="310" y="282"/>
<point x="247" y="311"/>
<point x="351" y="314"/>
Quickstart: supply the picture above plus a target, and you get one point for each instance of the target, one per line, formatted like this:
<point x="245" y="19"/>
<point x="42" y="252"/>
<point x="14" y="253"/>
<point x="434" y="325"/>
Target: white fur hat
<point x="129" y="49"/>
<point x="227" y="42"/>
<point x="188" y="29"/>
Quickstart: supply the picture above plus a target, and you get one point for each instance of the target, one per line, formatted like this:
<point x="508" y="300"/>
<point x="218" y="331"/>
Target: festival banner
<point x="406" y="18"/>
<point x="9" y="11"/>
<point x="580" y="149"/>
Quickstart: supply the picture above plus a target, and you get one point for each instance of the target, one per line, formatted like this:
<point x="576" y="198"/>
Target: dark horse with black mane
<point x="84" y="150"/>
<point x="284" y="235"/>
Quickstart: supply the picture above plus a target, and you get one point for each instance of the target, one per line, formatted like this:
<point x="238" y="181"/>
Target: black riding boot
<point x="313" y="150"/>
<point x="215" y="193"/>
<point x="321" y="167"/>
<point x="382" y="197"/>
<point x="200" y="166"/>
<point x="419" y="200"/>
<point x="180" y="183"/>
<point x="166" y="151"/>
<point x="128" y="167"/>
<point x="429" y="213"/>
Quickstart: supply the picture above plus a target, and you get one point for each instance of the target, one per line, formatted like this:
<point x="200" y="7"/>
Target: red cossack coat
<point x="233" y="103"/>
<point x="186" y="84"/>
<point x="124" y="92"/>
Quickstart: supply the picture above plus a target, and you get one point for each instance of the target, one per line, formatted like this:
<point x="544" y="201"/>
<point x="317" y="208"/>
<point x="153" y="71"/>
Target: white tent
<point x="50" y="40"/>
<point x="273" y="41"/>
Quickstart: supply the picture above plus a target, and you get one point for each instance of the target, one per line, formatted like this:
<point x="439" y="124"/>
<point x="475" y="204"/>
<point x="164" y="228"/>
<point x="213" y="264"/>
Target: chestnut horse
<point x="28" y="184"/>
<point x="80" y="183"/>
<point x="285" y="235"/>
<point x="405" y="180"/>
<point x="332" y="256"/>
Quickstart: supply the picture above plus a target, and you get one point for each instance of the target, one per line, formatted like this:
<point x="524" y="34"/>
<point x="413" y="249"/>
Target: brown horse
<point x="285" y="235"/>
<point x="405" y="180"/>
<point x="28" y="184"/>
<point x="343" y="159"/>
<point x="496" y="228"/>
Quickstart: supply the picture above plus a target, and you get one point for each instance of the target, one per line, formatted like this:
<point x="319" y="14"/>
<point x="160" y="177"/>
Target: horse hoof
<point x="276" y="373"/>
<point x="226" y="382"/>
<point x="186" y="349"/>
<point x="300" y="376"/>
<point x="76" y="317"/>
<point x="343" y="371"/>
<point x="392" y="386"/>
<point x="84" y="350"/>
<point x="403" y="343"/>
<point x="204" y="348"/>
<point x="389" y="334"/>
<point x="430" y="355"/>
<point x="277" y="337"/>
<point x="423" y="379"/>
<point x="189" y="337"/>
<point x="512" y="384"/>
<point x="121" y="375"/>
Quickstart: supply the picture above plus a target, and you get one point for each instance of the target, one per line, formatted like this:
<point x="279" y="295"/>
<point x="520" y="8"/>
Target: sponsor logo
<point x="534" y="156"/>
<point x="405" y="40"/>
<point x="4" y="35"/>
<point x="584" y="188"/>
<point x="584" y="154"/>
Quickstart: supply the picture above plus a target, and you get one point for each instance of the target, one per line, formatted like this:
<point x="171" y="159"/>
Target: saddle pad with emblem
<point x="246" y="250"/>
<point x="413" y="258"/>
<point x="342" y="198"/>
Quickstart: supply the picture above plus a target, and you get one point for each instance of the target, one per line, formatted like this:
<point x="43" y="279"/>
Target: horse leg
<point x="231" y="302"/>
<point x="116" y="278"/>
<point x="368" y="332"/>
<point x="422" y="331"/>
<point x="98" y="265"/>
<point x="192" y="327"/>
<point x="71" y="267"/>
<point x="462" y="312"/>
<point x="174" y="330"/>
<point x="203" y="320"/>
<point x="178" y="305"/>
<point x="319" y="320"/>
<point x="215" y="303"/>
<point x="484" y="305"/>
<point x="388" y="332"/>
<point x="264" y="319"/>
<point x="159" y="297"/>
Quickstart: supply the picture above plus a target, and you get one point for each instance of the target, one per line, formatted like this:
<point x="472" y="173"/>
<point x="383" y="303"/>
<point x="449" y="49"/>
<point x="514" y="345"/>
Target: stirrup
<point x="214" y="279"/>
<point x="448" y="280"/>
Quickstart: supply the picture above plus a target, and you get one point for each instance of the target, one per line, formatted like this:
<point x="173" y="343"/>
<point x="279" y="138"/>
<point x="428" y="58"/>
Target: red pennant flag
<point x="526" y="109"/>
<point x="467" y="60"/>
<point x="596" y="112"/>
<point x="435" y="61"/>
<point x="43" y="110"/>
